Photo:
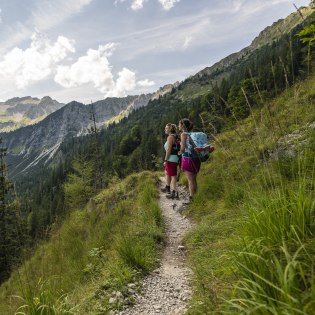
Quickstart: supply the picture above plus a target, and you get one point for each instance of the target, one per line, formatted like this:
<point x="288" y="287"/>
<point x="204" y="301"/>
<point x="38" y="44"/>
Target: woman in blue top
<point x="190" y="161"/>
<point x="170" y="161"/>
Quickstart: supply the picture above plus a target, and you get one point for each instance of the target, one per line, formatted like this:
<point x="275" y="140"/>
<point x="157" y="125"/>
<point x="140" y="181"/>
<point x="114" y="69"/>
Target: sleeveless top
<point x="172" y="158"/>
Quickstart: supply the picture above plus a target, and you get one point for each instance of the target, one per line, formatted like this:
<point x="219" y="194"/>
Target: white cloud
<point x="94" y="68"/>
<point x="248" y="8"/>
<point x="237" y="4"/>
<point x="137" y="4"/>
<point x="188" y="31"/>
<point x="145" y="83"/>
<point x="45" y="15"/>
<point x="36" y="62"/>
<point x="126" y="82"/>
<point x="49" y="13"/>
<point x="0" y="15"/>
<point x="168" y="4"/>
<point x="91" y="68"/>
<point x="187" y="42"/>
<point x="117" y="1"/>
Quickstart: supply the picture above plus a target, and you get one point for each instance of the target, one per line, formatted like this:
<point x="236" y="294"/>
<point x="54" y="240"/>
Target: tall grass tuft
<point x="138" y="255"/>
<point x="44" y="302"/>
<point x="286" y="214"/>
<point x="274" y="283"/>
<point x="275" y="264"/>
<point x="137" y="248"/>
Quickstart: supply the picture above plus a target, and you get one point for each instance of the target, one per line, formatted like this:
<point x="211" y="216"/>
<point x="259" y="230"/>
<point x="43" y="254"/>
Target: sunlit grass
<point x="98" y="249"/>
<point x="252" y="251"/>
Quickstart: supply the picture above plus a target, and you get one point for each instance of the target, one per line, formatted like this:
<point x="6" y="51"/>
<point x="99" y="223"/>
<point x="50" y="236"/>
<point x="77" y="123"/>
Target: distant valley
<point x="35" y="145"/>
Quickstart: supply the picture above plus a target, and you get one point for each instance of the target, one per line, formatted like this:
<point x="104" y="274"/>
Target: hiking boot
<point x="189" y="201"/>
<point x="173" y="195"/>
<point x="166" y="189"/>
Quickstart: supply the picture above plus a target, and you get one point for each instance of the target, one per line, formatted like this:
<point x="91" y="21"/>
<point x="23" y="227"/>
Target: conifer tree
<point x="307" y="35"/>
<point x="95" y="151"/>
<point x="11" y="227"/>
<point x="79" y="185"/>
<point x="4" y="259"/>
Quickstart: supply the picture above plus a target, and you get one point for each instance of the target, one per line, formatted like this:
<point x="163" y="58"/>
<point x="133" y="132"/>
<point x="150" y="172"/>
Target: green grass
<point x="98" y="250"/>
<point x="252" y="250"/>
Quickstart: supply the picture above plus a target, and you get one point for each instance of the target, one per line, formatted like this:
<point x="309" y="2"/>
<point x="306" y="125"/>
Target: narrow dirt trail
<point x="167" y="290"/>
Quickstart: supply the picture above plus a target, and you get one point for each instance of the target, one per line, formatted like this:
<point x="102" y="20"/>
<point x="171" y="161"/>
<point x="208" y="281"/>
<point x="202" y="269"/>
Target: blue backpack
<point x="199" y="143"/>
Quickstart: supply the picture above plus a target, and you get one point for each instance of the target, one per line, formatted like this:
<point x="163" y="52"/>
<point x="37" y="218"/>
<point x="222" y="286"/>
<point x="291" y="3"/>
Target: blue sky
<point x="86" y="50"/>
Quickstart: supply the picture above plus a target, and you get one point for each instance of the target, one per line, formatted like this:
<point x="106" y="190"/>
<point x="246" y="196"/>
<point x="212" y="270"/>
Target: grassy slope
<point x="97" y="250"/>
<point x="251" y="204"/>
<point x="90" y="256"/>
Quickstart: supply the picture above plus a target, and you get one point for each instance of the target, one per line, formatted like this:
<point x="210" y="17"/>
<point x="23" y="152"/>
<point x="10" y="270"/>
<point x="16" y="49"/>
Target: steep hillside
<point x="251" y="251"/>
<point x="100" y="249"/>
<point x="136" y="142"/>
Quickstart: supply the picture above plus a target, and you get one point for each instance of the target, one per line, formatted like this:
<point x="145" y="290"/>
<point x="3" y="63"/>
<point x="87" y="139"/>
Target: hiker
<point x="190" y="161"/>
<point x="171" y="160"/>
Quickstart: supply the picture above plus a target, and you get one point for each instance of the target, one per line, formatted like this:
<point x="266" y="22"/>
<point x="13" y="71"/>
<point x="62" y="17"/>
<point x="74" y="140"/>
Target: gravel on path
<point x="167" y="290"/>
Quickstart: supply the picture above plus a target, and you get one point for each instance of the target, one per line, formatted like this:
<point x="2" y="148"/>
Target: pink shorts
<point x="171" y="168"/>
<point x="191" y="165"/>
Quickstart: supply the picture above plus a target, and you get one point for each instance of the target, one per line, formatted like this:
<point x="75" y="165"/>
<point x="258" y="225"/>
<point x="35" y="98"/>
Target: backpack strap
<point x="191" y="141"/>
<point x="189" y="151"/>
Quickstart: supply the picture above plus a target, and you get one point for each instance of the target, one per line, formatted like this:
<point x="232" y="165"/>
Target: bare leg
<point x="168" y="179"/>
<point x="173" y="183"/>
<point x="192" y="182"/>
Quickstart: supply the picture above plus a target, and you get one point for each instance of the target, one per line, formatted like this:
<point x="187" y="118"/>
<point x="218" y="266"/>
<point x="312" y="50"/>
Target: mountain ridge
<point x="37" y="144"/>
<point x="18" y="112"/>
<point x="22" y="148"/>
<point x="267" y="36"/>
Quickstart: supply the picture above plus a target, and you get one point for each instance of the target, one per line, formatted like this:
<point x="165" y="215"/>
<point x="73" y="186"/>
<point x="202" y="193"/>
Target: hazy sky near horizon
<point x="86" y="50"/>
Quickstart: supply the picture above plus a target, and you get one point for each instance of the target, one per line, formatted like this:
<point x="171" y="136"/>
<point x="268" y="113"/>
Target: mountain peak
<point x="21" y="100"/>
<point x="46" y="98"/>
<point x="22" y="111"/>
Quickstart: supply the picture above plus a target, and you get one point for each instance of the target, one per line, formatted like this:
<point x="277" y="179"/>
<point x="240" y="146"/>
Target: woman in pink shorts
<point x="190" y="161"/>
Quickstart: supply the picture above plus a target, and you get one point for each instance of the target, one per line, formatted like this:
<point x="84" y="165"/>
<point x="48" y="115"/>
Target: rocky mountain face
<point x="36" y="145"/>
<point x="22" y="111"/>
<point x="165" y="89"/>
